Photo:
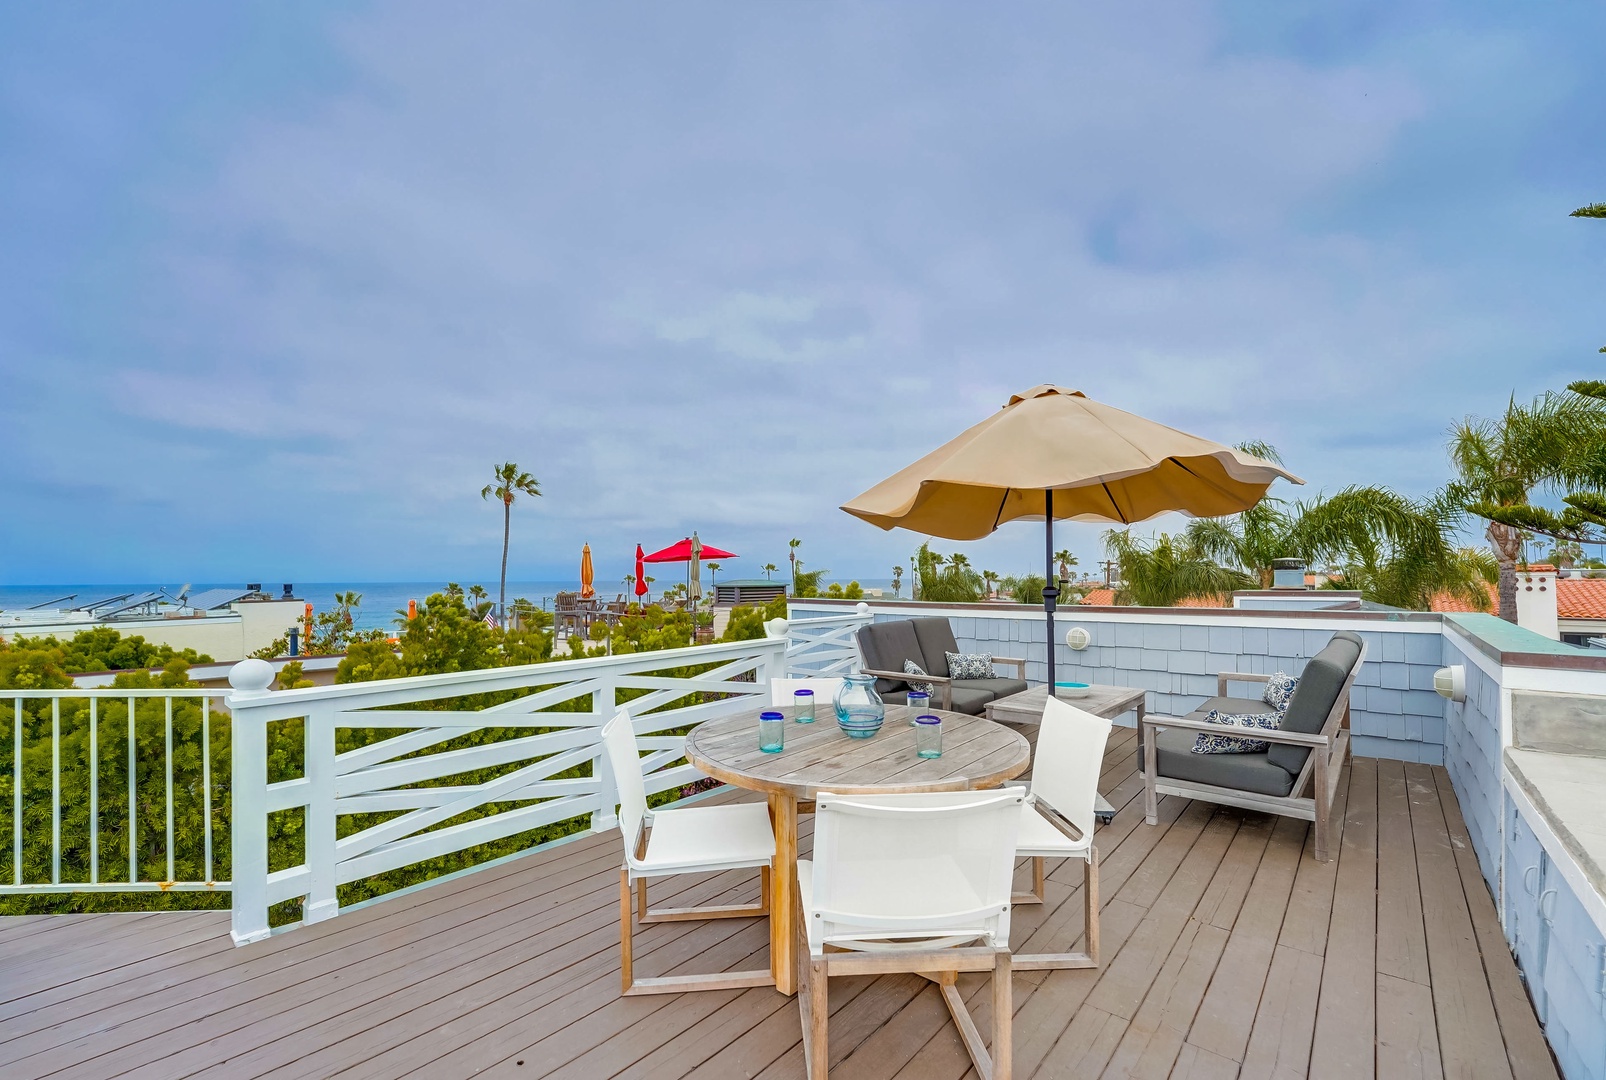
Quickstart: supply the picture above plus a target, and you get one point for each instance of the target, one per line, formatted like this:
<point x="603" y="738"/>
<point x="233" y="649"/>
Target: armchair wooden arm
<point x="1020" y="665"/>
<point x="1225" y="677"/>
<point x="940" y="685"/>
<point x="1291" y="738"/>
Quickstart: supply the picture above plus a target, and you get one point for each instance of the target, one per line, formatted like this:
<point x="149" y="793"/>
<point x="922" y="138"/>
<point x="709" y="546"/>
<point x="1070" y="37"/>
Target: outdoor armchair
<point x="914" y="883"/>
<point x="1057" y="817"/>
<point x="1306" y="753"/>
<point x="692" y="839"/>
<point x="884" y="646"/>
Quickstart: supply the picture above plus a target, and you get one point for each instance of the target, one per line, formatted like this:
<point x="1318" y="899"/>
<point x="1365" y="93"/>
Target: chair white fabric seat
<point x="696" y="838"/>
<point x="1039" y="837"/>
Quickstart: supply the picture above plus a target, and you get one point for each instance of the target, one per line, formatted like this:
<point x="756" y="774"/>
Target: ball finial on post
<point x="252" y="676"/>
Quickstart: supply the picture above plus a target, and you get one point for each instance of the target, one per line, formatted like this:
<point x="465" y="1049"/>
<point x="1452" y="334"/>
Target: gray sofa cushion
<point x="998" y="687"/>
<point x="1313" y="698"/>
<point x="965" y="699"/>
<point x="885" y="646"/>
<point x="936" y="639"/>
<point x="1242" y="772"/>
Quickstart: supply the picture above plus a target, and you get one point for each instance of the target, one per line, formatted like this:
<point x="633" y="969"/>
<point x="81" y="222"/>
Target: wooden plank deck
<point x="1227" y="952"/>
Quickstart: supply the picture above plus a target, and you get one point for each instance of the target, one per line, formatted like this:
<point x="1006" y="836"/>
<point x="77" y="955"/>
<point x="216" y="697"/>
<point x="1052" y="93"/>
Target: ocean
<point x="381" y="600"/>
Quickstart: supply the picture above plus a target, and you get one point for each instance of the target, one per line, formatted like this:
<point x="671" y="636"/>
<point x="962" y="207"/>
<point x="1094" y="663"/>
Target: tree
<point x="1162" y="571"/>
<point x="1065" y="560"/>
<point x="1593" y="210"/>
<point x="713" y="570"/>
<point x="946" y="579"/>
<point x="1555" y="445"/>
<point x="509" y="482"/>
<point x="769" y="569"/>
<point x="792" y="554"/>
<point x="988" y="579"/>
<point x="897" y="580"/>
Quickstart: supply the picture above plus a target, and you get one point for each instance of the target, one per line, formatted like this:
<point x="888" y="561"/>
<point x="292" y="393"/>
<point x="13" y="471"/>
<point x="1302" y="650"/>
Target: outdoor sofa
<point x="1306" y="752"/>
<point x="884" y="646"/>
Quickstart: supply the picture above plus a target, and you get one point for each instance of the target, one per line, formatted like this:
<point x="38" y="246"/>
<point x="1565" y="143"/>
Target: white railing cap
<point x="252" y="676"/>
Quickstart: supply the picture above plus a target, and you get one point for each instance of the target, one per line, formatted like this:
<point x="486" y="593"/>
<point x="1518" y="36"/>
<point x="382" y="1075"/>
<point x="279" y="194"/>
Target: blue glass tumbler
<point x="919" y="701"/>
<point x="928" y="736"/>
<point x="803" y="706"/>
<point x="771" y="731"/>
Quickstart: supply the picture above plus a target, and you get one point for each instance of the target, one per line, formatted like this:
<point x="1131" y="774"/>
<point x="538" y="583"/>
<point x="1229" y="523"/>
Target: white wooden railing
<point x="397" y="774"/>
<point x="93" y="740"/>
<point x="822" y="646"/>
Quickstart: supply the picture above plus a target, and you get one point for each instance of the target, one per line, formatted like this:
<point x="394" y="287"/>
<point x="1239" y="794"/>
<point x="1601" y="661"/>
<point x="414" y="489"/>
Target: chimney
<point x="1536" y="600"/>
<point x="1288" y="573"/>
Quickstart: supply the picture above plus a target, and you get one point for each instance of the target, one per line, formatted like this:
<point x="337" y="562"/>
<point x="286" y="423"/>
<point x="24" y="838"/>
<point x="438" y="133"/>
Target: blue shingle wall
<point x="1394" y="712"/>
<point x="1472" y="757"/>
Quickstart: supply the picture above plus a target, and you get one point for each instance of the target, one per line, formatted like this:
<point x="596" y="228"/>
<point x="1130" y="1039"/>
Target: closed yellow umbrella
<point x="587" y="574"/>
<point x="1056" y="453"/>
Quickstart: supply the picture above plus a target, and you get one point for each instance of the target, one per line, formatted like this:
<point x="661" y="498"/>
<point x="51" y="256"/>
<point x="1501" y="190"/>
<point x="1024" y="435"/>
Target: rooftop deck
<point x="1228" y="952"/>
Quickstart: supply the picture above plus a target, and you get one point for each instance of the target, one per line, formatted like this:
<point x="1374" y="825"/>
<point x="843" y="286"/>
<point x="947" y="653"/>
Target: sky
<point x="281" y="282"/>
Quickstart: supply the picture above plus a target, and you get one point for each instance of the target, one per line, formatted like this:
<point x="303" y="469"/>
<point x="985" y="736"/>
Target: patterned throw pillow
<point x="1228" y="744"/>
<point x="1279" y="691"/>
<point x="963" y="665"/>
<point x="912" y="668"/>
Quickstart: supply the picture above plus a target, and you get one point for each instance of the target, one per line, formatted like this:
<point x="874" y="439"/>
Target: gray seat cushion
<point x="936" y="639"/>
<point x="966" y="700"/>
<point x="1314" y="697"/>
<point x="999" y="688"/>
<point x="1241" y="772"/>
<point x="885" y="646"/>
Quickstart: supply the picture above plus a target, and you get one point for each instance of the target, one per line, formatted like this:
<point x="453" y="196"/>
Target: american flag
<point x="490" y="620"/>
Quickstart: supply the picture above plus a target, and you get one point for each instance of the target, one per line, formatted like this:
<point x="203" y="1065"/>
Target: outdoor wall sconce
<point x="1451" y="682"/>
<point x="1077" y="638"/>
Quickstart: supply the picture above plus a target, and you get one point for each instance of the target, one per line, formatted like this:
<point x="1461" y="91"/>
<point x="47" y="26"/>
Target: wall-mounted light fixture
<point x="1451" y="682"/>
<point x="1077" y="638"/>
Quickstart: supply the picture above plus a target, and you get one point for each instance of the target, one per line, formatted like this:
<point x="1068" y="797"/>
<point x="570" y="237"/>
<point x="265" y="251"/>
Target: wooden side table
<point x="1026" y="709"/>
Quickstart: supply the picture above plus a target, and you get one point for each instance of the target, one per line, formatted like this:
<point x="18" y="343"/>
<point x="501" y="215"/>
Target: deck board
<point x="1228" y="951"/>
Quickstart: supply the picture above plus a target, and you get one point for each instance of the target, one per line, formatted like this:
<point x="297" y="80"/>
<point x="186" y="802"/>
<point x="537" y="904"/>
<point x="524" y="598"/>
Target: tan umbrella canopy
<point x="1056" y="453"/>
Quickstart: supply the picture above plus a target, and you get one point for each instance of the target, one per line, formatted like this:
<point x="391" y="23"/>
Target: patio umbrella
<point x="1055" y="453"/>
<point x="641" y="574"/>
<point x="694" y="571"/>
<point x="587" y="574"/>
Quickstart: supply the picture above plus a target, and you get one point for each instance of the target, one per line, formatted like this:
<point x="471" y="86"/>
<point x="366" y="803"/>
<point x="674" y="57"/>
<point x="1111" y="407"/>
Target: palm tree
<point x="510" y="481"/>
<point x="1165" y="570"/>
<point x="630" y="582"/>
<point x="897" y="580"/>
<point x="1066" y="560"/>
<point x="1555" y="445"/>
<point x="1395" y="550"/>
<point x="793" y="544"/>
<point x="988" y="578"/>
<point x="769" y="568"/>
<point x="713" y="569"/>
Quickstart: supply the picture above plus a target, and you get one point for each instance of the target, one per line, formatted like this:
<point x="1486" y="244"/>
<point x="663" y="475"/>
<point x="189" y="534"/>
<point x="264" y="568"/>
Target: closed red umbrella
<point x="641" y="573"/>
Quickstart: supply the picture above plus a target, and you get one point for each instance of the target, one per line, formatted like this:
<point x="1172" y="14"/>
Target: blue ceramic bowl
<point x="1071" y="689"/>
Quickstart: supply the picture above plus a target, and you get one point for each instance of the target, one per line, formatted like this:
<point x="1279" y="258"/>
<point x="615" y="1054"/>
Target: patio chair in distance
<point x="1057" y="818"/>
<point x="689" y="840"/>
<point x="914" y="883"/>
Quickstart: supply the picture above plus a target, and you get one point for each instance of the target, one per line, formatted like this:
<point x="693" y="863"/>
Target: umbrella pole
<point x="1051" y="591"/>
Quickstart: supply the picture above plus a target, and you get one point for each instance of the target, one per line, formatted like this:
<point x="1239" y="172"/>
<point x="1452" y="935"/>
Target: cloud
<point x="698" y="269"/>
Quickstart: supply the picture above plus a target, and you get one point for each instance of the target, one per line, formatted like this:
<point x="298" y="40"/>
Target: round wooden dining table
<point x="976" y="753"/>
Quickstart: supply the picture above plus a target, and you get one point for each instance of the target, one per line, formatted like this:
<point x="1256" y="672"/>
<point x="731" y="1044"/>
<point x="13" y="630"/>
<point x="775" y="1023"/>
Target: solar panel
<point x="130" y="602"/>
<point x="102" y="603"/>
<point x="211" y="599"/>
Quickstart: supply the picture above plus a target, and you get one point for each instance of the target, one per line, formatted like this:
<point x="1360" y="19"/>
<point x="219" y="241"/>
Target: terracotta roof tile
<point x="1576" y="598"/>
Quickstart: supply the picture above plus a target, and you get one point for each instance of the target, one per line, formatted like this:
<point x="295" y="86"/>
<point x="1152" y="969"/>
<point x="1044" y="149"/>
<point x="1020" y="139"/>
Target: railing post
<point x="322" y="902"/>
<point x="603" y="705"/>
<point x="248" y="827"/>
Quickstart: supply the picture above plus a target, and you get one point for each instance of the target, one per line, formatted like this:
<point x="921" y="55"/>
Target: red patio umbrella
<point x="641" y="573"/>
<point x="681" y="552"/>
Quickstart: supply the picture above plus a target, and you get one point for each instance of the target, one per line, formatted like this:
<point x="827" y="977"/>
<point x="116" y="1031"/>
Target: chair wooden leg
<point x="626" y="932"/>
<point x="1003" y="1018"/>
<point x="1090" y="919"/>
<point x="647" y="916"/>
<point x="1151" y="770"/>
<point x="1324" y="810"/>
<point x="1038" y="889"/>
<point x="814" y="1007"/>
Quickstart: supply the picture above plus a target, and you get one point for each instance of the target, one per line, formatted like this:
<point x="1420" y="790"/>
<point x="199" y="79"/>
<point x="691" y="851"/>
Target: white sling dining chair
<point x="915" y="883"/>
<point x="781" y="691"/>
<point x="1057" y="818"/>
<point x="688" y="840"/>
